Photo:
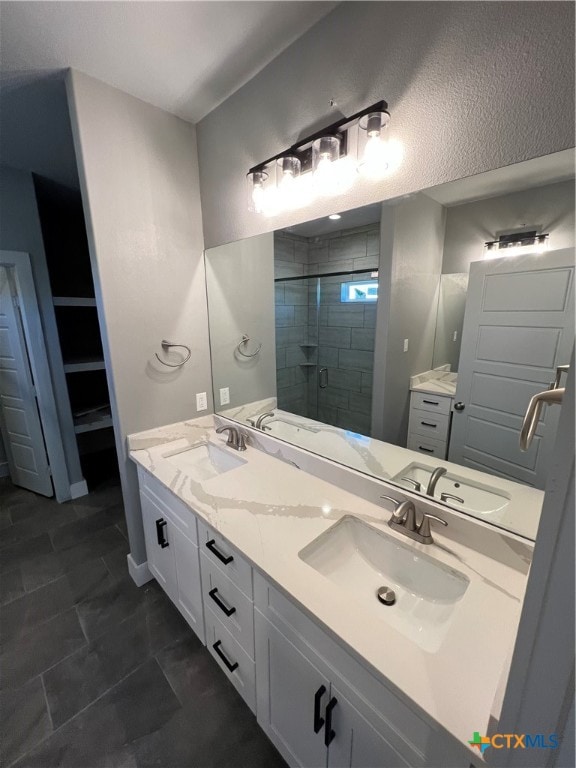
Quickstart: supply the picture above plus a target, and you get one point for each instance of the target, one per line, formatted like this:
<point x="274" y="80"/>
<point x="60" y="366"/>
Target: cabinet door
<point x="290" y="698"/>
<point x="158" y="533"/>
<point x="356" y="743"/>
<point x="189" y="591"/>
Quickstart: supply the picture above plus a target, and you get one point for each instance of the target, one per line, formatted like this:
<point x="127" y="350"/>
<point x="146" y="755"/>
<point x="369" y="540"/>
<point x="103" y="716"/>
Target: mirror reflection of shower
<point x="326" y="292"/>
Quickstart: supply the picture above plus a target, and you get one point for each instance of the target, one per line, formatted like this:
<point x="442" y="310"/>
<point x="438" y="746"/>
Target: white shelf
<point x="85" y="364"/>
<point x="73" y="301"/>
<point x="92" y="421"/>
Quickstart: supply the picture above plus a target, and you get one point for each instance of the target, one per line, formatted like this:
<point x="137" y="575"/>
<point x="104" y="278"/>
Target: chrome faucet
<point x="404" y="520"/>
<point x="236" y="439"/>
<point x="434" y="477"/>
<point x="261" y="418"/>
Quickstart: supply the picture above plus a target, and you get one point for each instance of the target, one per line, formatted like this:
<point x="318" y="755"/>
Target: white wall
<point x="412" y="241"/>
<point x="240" y="287"/>
<point x="20" y="231"/>
<point x="470" y="86"/>
<point x="139" y="180"/>
<point x="549" y="209"/>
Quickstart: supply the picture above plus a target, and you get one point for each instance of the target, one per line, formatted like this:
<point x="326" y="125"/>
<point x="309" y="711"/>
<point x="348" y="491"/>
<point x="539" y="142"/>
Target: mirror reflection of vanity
<point x="391" y="340"/>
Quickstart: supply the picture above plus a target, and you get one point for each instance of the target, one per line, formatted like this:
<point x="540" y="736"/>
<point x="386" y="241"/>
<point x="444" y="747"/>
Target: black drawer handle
<point x="318" y="721"/>
<point x="426" y="450"/>
<point x="431" y="402"/>
<point x="328" y="732"/>
<point x="231" y="667"/>
<point x="212" y="547"/>
<point x="428" y="424"/>
<point x="223" y="607"/>
<point x="160" y="525"/>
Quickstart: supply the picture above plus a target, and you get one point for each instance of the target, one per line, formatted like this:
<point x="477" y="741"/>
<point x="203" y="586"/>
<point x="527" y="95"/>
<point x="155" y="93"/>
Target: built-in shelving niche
<point x="68" y="261"/>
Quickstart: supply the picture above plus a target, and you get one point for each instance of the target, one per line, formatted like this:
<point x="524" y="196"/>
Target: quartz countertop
<point x="386" y="461"/>
<point x="270" y="510"/>
<point x="438" y="381"/>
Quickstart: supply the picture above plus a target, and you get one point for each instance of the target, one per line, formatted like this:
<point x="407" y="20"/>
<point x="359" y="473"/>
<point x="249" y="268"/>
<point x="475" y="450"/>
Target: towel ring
<point x="166" y="345"/>
<point x="245" y="340"/>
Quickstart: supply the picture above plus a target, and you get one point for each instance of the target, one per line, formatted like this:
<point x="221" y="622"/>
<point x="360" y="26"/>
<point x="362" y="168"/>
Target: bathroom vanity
<point x="277" y="570"/>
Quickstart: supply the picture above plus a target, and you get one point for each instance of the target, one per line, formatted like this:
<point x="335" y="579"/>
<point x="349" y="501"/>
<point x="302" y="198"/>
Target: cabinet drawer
<point x="434" y="425"/>
<point x="223" y="598"/>
<point x="173" y="508"/>
<point x="232" y="659"/>
<point x="434" y="403"/>
<point x="427" y="445"/>
<point x="226" y="558"/>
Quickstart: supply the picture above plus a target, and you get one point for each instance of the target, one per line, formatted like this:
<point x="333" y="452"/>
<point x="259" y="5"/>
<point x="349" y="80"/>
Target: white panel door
<point x="518" y="326"/>
<point x="19" y="417"/>
<point x="159" y="535"/>
<point x="355" y="743"/>
<point x="189" y="590"/>
<point x="292" y="696"/>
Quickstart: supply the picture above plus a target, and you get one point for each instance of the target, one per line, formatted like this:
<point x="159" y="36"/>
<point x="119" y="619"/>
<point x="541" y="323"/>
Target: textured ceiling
<point x="185" y="57"/>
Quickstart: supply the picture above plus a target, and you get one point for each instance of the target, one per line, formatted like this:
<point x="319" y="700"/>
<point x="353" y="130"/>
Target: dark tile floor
<point x="96" y="673"/>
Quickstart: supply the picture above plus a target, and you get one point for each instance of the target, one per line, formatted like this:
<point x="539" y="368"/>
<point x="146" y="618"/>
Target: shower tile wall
<point x="344" y="332"/>
<point x="292" y="324"/>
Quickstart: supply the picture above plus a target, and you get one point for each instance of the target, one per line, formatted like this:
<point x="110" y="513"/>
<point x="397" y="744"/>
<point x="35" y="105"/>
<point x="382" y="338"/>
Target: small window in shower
<point x="359" y="292"/>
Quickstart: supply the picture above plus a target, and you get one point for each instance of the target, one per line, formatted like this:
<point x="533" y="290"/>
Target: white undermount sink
<point x="360" y="559"/>
<point x="203" y="461"/>
<point x="477" y="498"/>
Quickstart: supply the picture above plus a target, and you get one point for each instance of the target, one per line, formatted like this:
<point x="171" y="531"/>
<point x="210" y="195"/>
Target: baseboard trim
<point x="78" y="489"/>
<point x="140" y="573"/>
<point x="4" y="469"/>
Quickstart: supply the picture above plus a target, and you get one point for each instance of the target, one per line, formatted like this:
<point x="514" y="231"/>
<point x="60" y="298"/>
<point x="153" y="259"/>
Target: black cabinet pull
<point x="160" y="525"/>
<point x="431" y="402"/>
<point x="212" y="547"/>
<point x="428" y="424"/>
<point x="318" y="721"/>
<point x="223" y="607"/>
<point x="225" y="661"/>
<point x="426" y="450"/>
<point x="328" y="732"/>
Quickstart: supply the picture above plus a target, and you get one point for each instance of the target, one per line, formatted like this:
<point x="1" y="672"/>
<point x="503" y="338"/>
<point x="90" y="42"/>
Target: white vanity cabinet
<point x="321" y="707"/>
<point x="172" y="549"/>
<point x="429" y="423"/>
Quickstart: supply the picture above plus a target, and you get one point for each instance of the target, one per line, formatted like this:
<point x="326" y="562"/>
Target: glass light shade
<point x="257" y="190"/>
<point x="287" y="177"/>
<point x="373" y="149"/>
<point x="325" y="155"/>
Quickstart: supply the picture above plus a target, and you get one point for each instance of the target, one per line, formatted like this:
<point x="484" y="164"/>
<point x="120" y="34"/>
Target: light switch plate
<point x="405" y="345"/>
<point x="224" y="395"/>
<point x="201" y="401"/>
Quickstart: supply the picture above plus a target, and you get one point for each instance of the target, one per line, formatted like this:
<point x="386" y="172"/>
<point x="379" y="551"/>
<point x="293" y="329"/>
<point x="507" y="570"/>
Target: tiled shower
<point x="325" y="346"/>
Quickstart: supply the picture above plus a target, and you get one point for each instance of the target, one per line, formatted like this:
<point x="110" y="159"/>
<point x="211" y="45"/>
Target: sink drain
<point x="386" y="595"/>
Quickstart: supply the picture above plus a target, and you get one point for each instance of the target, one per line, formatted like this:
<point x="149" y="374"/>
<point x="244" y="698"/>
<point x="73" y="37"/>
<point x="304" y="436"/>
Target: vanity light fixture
<point x="323" y="164"/>
<point x="516" y="244"/>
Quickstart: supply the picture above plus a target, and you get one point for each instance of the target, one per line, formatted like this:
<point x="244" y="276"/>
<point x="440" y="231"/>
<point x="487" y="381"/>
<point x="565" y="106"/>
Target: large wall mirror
<point x="394" y="340"/>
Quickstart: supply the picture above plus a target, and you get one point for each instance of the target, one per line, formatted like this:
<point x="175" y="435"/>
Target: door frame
<point x="20" y="263"/>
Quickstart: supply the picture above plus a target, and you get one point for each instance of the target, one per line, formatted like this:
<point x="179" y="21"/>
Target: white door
<point x="355" y="743"/>
<point x="292" y="698"/>
<point x="518" y="326"/>
<point x="187" y="562"/>
<point x="19" y="418"/>
<point x="158" y="533"/>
